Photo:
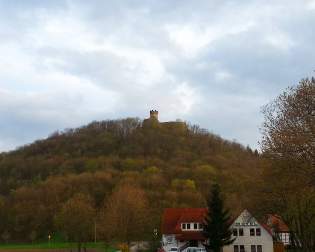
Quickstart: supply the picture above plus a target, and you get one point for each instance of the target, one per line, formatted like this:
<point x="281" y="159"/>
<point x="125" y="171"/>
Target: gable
<point x="246" y="219"/>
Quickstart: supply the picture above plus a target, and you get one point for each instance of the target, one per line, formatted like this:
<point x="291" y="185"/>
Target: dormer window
<point x="191" y="226"/>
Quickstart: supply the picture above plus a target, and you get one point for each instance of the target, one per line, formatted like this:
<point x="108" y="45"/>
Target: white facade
<point x="249" y="235"/>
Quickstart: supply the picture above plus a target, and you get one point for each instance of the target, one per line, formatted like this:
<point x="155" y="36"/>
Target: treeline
<point x="93" y="168"/>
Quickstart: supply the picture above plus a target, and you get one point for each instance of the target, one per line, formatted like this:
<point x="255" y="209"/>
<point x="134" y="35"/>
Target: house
<point x="250" y="235"/>
<point x="279" y="229"/>
<point x="182" y="228"/>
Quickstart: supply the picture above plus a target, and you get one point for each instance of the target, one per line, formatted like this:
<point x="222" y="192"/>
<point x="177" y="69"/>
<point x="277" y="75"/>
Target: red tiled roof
<point x="266" y="227"/>
<point x="275" y="221"/>
<point x="173" y="217"/>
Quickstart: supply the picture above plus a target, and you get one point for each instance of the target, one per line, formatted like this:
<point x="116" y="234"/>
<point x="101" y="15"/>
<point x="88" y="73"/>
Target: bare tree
<point x="289" y="127"/>
<point x="289" y="143"/>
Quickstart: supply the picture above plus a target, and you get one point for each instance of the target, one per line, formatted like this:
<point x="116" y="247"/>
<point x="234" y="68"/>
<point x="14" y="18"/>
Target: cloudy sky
<point x="212" y="62"/>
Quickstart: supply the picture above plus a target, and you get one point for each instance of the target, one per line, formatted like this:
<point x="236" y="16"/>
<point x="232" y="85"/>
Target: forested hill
<point x="173" y="164"/>
<point x="124" y="145"/>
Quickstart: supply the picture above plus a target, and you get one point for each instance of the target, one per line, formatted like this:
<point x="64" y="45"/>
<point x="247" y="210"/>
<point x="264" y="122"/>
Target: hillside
<point x="174" y="163"/>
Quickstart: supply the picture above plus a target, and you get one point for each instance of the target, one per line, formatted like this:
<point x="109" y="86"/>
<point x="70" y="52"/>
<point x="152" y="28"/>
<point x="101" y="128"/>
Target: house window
<point x="258" y="232"/>
<point x="234" y="232"/>
<point x="240" y="232"/>
<point x="236" y="248"/>
<point x="195" y="225"/>
<point x="188" y="225"/>
<point x="183" y="225"/>
<point x="252" y="232"/>
<point x="259" y="248"/>
<point x="242" y="248"/>
<point x="200" y="226"/>
<point x="253" y="248"/>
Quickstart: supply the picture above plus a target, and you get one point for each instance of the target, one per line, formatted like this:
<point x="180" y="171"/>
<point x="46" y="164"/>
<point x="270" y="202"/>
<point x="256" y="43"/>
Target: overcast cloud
<point x="212" y="63"/>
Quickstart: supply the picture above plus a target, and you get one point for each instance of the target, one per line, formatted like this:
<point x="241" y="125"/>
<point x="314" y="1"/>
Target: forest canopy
<point x="173" y="164"/>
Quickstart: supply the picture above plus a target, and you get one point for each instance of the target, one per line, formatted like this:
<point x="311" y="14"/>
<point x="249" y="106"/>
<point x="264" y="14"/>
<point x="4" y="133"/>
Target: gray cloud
<point x="214" y="63"/>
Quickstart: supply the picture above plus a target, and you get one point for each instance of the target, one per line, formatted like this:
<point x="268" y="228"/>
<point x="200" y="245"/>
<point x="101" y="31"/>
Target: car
<point x="195" y="249"/>
<point x="173" y="249"/>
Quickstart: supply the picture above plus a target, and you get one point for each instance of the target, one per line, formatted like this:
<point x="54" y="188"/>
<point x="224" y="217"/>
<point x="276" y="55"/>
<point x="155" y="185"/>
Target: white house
<point x="182" y="228"/>
<point x="250" y="235"/>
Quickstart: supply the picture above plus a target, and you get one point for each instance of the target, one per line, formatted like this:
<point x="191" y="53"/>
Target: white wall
<point x="265" y="240"/>
<point x="246" y="221"/>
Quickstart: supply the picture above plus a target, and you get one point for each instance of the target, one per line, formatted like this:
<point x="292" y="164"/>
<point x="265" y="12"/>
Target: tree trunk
<point x="79" y="246"/>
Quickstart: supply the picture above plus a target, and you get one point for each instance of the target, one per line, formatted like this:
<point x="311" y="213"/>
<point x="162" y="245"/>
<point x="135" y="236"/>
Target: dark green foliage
<point x="217" y="222"/>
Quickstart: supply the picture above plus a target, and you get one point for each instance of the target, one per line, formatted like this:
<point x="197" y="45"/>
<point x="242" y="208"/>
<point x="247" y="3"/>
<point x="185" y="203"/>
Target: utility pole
<point x="95" y="231"/>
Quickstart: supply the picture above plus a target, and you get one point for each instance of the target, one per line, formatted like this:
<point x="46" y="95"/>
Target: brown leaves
<point x="125" y="216"/>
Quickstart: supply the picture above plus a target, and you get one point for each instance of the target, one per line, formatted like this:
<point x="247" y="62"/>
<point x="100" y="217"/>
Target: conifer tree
<point x="217" y="222"/>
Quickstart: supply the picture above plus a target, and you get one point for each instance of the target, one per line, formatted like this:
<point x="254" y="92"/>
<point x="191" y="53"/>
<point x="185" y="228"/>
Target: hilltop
<point x="174" y="163"/>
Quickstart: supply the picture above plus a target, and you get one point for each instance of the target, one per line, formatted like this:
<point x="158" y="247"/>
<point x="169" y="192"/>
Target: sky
<point x="215" y="63"/>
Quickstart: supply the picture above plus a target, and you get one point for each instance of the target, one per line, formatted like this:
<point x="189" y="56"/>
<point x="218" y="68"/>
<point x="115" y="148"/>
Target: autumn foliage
<point x="119" y="165"/>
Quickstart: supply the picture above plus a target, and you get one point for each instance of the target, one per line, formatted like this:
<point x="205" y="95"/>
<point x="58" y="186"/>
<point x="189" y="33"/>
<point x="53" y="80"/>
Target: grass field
<point x="99" y="246"/>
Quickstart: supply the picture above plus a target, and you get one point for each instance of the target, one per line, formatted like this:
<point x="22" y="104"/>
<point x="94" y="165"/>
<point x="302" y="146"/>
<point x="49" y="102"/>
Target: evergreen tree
<point x="217" y="222"/>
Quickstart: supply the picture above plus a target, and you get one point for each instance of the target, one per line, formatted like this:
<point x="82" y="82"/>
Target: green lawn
<point x="56" y="245"/>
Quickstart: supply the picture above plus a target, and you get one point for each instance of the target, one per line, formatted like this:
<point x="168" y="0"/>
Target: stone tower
<point x="154" y="114"/>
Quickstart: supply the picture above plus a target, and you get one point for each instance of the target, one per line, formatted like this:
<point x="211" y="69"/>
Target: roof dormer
<point x="191" y="226"/>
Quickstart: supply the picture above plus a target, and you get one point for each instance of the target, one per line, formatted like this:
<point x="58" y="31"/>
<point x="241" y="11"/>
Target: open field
<point x="54" y="247"/>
